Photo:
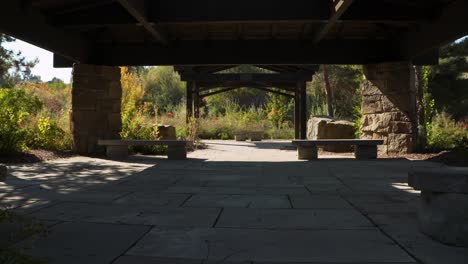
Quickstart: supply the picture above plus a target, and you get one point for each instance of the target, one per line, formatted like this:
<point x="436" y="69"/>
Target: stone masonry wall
<point x="96" y="102"/>
<point x="388" y="106"/>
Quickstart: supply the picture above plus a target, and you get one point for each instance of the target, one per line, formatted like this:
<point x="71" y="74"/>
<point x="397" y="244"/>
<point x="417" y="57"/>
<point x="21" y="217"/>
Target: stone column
<point x="389" y="107"/>
<point x="96" y="102"/>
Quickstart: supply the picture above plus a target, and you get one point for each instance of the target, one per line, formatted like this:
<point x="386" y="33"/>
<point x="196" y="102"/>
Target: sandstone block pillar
<point x="96" y="102"/>
<point x="389" y="106"/>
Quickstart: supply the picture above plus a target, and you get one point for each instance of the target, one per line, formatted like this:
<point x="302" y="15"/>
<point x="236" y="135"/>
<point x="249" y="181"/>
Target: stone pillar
<point x="389" y="107"/>
<point x="96" y="102"/>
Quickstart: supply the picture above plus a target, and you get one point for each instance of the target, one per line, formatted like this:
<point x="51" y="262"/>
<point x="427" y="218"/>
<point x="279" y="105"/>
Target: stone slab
<point x="322" y="201"/>
<point x="442" y="179"/>
<point x="323" y="142"/>
<point x="66" y="194"/>
<point x="83" y="243"/>
<point x="151" y="260"/>
<point x="293" y="219"/>
<point x="130" y="214"/>
<point x="245" y="201"/>
<point x="153" y="199"/>
<point x="237" y="190"/>
<point x="321" y="246"/>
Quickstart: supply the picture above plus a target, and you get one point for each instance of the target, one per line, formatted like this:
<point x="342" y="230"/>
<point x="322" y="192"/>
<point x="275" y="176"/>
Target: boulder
<point x="166" y="132"/>
<point x="3" y="172"/>
<point x="324" y="127"/>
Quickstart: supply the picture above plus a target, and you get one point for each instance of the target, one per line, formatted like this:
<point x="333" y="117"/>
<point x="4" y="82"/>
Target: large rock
<point x="324" y="127"/>
<point x="166" y="132"/>
<point x="3" y="172"/>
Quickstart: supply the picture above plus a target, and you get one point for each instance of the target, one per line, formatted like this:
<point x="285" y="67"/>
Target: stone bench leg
<point x="442" y="216"/>
<point x="176" y="152"/>
<point x="117" y="152"/>
<point x="307" y="152"/>
<point x="365" y="152"/>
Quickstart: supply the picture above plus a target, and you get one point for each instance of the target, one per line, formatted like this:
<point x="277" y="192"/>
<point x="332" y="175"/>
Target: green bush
<point x="48" y="135"/>
<point x="16" y="107"/>
<point x="444" y="133"/>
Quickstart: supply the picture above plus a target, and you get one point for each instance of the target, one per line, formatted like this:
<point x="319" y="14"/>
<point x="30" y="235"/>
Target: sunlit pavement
<point x="230" y="203"/>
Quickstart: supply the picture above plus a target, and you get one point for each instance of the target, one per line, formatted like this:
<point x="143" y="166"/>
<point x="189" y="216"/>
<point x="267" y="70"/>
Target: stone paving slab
<point x="404" y="228"/>
<point x="244" y="201"/>
<point x="129" y="214"/>
<point x="330" y="188"/>
<point x="319" y="201"/>
<point x="67" y="195"/>
<point x="153" y="199"/>
<point x="345" y="246"/>
<point x="237" y="190"/>
<point x="151" y="260"/>
<point x="83" y="243"/>
<point x="293" y="219"/>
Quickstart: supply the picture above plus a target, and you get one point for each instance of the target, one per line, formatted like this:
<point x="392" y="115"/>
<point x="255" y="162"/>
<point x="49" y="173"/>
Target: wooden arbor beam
<point x="248" y="52"/>
<point x="337" y="10"/>
<point x="450" y="26"/>
<point x="22" y="22"/>
<point x="212" y="11"/>
<point x="137" y="8"/>
<point x="255" y="77"/>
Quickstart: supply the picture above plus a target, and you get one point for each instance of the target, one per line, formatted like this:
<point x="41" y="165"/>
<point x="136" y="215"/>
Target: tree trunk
<point x="328" y="92"/>
<point x="421" y="137"/>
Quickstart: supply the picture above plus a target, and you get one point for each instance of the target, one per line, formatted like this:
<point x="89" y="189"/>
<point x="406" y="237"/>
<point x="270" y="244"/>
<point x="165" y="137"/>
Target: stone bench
<point x="118" y="148"/>
<point x="365" y="148"/>
<point x="443" y="209"/>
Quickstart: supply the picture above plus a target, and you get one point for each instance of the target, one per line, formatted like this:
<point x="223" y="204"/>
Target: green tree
<point x="13" y="66"/>
<point x="345" y="82"/>
<point x="448" y="81"/>
<point x="163" y="88"/>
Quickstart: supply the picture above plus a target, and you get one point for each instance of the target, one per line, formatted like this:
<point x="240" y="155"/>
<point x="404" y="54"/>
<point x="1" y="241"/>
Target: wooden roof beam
<point x="450" y="26"/>
<point x="254" y="77"/>
<point x="337" y="10"/>
<point x="33" y="28"/>
<point x="137" y="8"/>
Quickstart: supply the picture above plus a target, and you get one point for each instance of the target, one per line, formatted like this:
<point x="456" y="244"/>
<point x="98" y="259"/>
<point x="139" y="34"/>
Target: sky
<point x="45" y="67"/>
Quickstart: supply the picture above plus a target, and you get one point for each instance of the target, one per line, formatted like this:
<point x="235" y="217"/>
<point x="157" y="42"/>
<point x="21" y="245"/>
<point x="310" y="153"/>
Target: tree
<point x="345" y="82"/>
<point x="328" y="91"/>
<point x="448" y="81"/>
<point x="163" y="88"/>
<point x="14" y="67"/>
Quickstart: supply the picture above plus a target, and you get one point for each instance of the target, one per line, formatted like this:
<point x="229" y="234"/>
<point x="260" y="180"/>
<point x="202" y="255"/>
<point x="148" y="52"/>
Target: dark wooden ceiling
<point x="215" y="32"/>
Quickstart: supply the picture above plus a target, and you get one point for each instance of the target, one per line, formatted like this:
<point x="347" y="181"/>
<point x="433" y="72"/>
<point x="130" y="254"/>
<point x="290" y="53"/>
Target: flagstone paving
<point x="234" y="202"/>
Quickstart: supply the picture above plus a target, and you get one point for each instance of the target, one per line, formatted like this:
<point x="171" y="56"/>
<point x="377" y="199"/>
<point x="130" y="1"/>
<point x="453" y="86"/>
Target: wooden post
<point x="296" y="113"/>
<point x="189" y="97"/>
<point x="303" y="110"/>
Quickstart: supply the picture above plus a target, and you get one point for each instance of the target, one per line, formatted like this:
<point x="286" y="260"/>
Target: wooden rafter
<point x="136" y="8"/>
<point x="338" y="9"/>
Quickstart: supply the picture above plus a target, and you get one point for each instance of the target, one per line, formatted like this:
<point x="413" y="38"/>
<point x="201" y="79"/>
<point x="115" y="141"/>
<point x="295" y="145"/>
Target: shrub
<point x="48" y="135"/>
<point x="16" y="106"/>
<point x="444" y="133"/>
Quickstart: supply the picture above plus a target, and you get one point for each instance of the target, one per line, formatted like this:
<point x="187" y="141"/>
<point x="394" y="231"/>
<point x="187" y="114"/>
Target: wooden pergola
<point x="203" y="37"/>
<point x="289" y="80"/>
<point x="212" y="32"/>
